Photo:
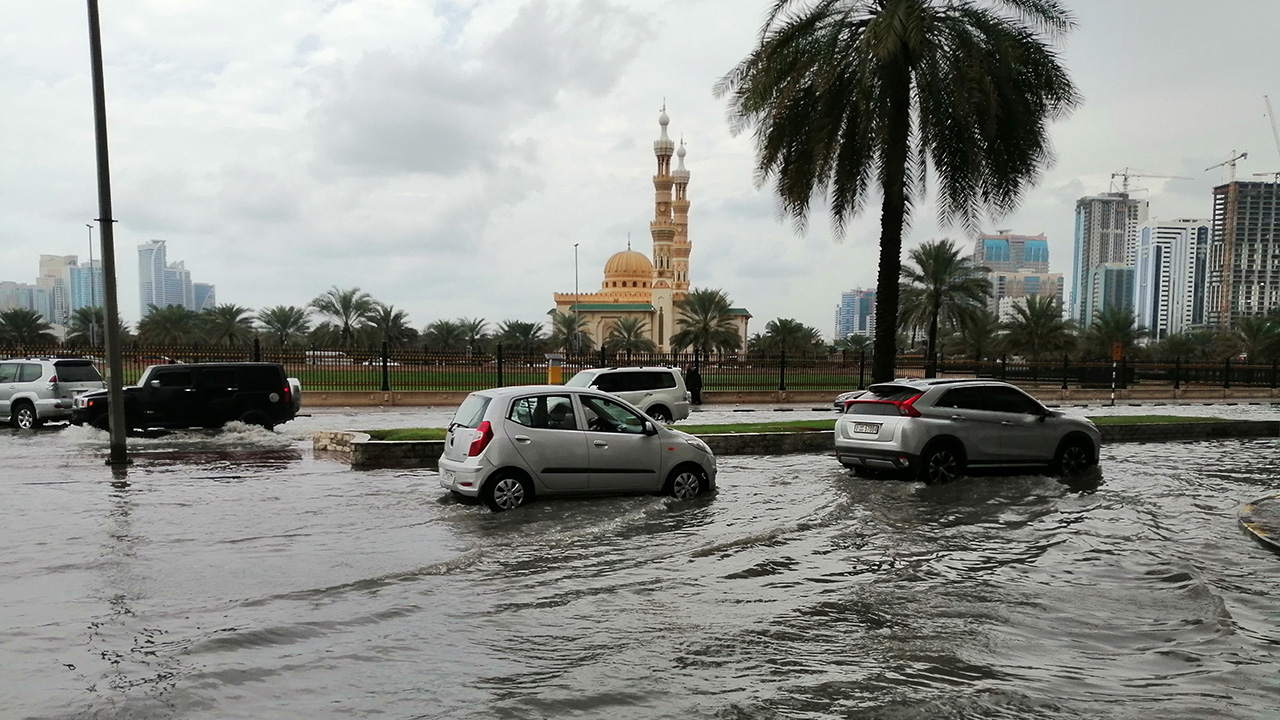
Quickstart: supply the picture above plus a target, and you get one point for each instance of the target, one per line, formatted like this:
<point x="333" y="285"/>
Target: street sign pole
<point x="1117" y="351"/>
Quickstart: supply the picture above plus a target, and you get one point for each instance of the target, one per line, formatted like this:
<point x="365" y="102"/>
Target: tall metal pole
<point x="93" y="303"/>
<point x="115" y="375"/>
<point x="577" y="345"/>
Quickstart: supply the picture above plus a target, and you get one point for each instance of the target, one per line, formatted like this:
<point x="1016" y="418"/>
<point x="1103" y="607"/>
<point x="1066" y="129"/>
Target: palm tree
<point x="520" y="337"/>
<point x="1110" y="326"/>
<point x="853" y="343"/>
<point x="88" y="327"/>
<point x="848" y="99"/>
<point x="1259" y="338"/>
<point x="630" y="335"/>
<point x="285" y="324"/>
<point x="227" y="325"/>
<point x="788" y="335"/>
<point x="20" y="326"/>
<point x="348" y="311"/>
<point x="704" y="323"/>
<point x="444" y="336"/>
<point x="1037" y="329"/>
<point x="389" y="325"/>
<point x="945" y="288"/>
<point x="476" y="332"/>
<point x="169" y="325"/>
<point x="568" y="333"/>
<point x="980" y="337"/>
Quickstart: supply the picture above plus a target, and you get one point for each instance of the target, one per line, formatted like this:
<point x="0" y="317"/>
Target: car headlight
<point x="698" y="444"/>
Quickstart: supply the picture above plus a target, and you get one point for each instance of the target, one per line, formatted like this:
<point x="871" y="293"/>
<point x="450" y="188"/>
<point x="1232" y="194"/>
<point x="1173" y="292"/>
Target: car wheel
<point x="1074" y="457"/>
<point x="685" y="482"/>
<point x="257" y="417"/>
<point x="941" y="463"/>
<point x="506" y="492"/>
<point x="24" y="417"/>
<point x="660" y="413"/>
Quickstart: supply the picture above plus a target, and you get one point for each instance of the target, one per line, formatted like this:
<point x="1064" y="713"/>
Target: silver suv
<point x="510" y="445"/>
<point x="658" y="391"/>
<point x="935" y="429"/>
<point x="34" y="391"/>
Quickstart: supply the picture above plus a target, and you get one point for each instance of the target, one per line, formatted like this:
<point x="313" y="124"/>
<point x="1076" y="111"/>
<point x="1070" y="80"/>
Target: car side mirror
<point x="155" y="383"/>
<point x="1043" y="414"/>
<point x="649" y="428"/>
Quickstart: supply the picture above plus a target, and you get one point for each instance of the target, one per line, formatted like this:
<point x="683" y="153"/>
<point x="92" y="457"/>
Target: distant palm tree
<point x="704" y="323"/>
<point x="444" y="336"/>
<point x="945" y="289"/>
<point x="389" y="325"/>
<point x="88" y="327"/>
<point x="979" y="338"/>
<point x="227" y="324"/>
<point x="1110" y="326"/>
<point x="476" y="332"/>
<point x="169" y="325"/>
<point x="1037" y="330"/>
<point x="347" y="311"/>
<point x="630" y="335"/>
<point x="518" y="336"/>
<point x="286" y="325"/>
<point x="20" y="326"/>
<point x="854" y="344"/>
<point x="790" y="336"/>
<point x="853" y="99"/>
<point x="1259" y="338"/>
<point x="569" y="333"/>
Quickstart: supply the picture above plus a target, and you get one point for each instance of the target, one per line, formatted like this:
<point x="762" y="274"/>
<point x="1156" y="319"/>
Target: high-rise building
<point x="1015" y="285"/>
<point x="1106" y="233"/>
<point x="86" y="286"/>
<point x="161" y="283"/>
<point x="856" y="314"/>
<point x="1169" y="275"/>
<point x="55" y="278"/>
<point x="1244" y="252"/>
<point x="1004" y="251"/>
<point x="28" y="297"/>
<point x="205" y="296"/>
<point x="1110" y="285"/>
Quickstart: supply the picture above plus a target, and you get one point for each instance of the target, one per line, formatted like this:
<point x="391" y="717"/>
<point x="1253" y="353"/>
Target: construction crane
<point x="1275" y="176"/>
<point x="1230" y="163"/>
<point x="1130" y="172"/>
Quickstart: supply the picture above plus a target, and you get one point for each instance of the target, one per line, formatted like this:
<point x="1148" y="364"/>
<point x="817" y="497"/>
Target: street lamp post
<point x="577" y="345"/>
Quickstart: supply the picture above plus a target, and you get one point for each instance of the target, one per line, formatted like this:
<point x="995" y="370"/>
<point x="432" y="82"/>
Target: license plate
<point x="867" y="428"/>
<point x="446" y="476"/>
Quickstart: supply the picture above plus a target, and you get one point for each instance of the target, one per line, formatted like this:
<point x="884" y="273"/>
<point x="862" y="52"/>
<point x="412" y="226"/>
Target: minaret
<point x="680" y="217"/>
<point x="662" y="228"/>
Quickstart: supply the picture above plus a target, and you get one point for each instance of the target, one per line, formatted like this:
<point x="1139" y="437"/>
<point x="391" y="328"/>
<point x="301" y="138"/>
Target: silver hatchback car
<point x="509" y="445"/>
<point x="934" y="429"/>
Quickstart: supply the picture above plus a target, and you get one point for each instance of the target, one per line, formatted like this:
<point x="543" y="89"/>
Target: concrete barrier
<point x="362" y="452"/>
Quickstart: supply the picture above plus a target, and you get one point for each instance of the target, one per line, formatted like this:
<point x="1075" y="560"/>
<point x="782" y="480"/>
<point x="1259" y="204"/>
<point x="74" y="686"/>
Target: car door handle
<point x="522" y="439"/>
<point x="1006" y="422"/>
<point x="599" y="443"/>
<point x="957" y="417"/>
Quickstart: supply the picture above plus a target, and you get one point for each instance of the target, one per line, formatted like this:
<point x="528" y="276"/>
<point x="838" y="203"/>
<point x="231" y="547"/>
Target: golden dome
<point x="629" y="264"/>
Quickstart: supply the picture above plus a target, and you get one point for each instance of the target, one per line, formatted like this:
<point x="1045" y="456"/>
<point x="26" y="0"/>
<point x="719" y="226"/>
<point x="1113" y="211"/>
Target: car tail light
<point x="484" y="434"/>
<point x="905" y="408"/>
<point x="908" y="407"/>
<point x="286" y="395"/>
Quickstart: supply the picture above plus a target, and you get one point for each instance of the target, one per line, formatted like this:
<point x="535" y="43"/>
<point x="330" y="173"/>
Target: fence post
<point x="862" y="368"/>
<point x="603" y="360"/>
<point x="1004" y="367"/>
<point x="1273" y="374"/>
<point x="1065" y="369"/>
<point x="497" y="359"/>
<point x="1177" y="372"/>
<point x="782" y="371"/>
<point x="386" y="377"/>
<point x="257" y="349"/>
<point x="195" y="352"/>
<point x="1124" y="372"/>
<point x="1226" y="374"/>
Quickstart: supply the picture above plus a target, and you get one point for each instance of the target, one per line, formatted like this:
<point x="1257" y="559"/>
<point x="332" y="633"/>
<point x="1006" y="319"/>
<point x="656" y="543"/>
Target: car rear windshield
<point x="77" y="372"/>
<point x="890" y="393"/>
<point x="582" y="379"/>
<point x="471" y="411"/>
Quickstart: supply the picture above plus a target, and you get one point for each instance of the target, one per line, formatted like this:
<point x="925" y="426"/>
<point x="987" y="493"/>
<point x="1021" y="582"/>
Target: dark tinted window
<point x="77" y="372"/>
<point x="896" y="393"/>
<point x="1008" y="400"/>
<point x="179" y="378"/>
<point x="609" y="382"/>
<point x="963" y="398"/>
<point x="29" y="372"/>
<point x="260" y="378"/>
<point x="8" y="372"/>
<point x="551" y="412"/>
<point x="219" y="378"/>
<point x="608" y="416"/>
<point x="471" y="411"/>
<point x="861" y="407"/>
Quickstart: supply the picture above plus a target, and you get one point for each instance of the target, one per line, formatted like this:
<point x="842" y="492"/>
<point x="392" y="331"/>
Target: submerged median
<point x="421" y="447"/>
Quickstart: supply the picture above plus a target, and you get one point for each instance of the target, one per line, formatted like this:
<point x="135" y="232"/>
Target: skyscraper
<point x="856" y="314"/>
<point x="205" y="297"/>
<point x="1244" y="252"/>
<point x="86" y="286"/>
<point x="1169" y="275"/>
<point x="161" y="283"/>
<point x="1004" y="251"/>
<point x="1106" y="233"/>
<point x="1110" y="286"/>
<point x="55" y="278"/>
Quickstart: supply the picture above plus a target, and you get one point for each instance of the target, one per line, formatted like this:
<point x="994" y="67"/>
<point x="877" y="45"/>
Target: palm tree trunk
<point x="931" y="369"/>
<point x="892" y="220"/>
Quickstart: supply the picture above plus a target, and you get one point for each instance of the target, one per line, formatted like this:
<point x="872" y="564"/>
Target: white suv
<point x="658" y="391"/>
<point x="934" y="429"/>
<point x="36" y="390"/>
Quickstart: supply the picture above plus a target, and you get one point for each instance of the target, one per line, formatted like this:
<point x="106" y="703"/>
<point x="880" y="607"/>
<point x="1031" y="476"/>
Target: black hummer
<point x="200" y="395"/>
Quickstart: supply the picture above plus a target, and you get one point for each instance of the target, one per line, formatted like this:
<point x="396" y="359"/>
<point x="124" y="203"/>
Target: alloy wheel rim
<point x="942" y="467"/>
<point x="26" y="419"/>
<point x="685" y="485"/>
<point x="1073" y="459"/>
<point x="508" y="493"/>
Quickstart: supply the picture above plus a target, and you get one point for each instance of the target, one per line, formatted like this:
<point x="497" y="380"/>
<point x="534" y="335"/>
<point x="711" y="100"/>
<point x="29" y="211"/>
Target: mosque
<point x="636" y="287"/>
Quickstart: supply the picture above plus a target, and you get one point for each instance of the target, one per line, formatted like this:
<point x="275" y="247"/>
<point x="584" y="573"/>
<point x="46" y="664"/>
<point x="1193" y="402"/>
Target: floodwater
<point x="232" y="575"/>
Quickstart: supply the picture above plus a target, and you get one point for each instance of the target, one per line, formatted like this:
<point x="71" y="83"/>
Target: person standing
<point x="693" y="379"/>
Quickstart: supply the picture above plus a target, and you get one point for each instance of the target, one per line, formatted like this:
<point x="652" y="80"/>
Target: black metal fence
<point x="393" y="369"/>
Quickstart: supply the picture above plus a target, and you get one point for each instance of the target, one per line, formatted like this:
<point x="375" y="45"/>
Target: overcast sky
<point x="446" y="156"/>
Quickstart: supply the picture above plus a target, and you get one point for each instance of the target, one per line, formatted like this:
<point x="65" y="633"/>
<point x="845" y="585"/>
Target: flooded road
<point x="232" y="575"/>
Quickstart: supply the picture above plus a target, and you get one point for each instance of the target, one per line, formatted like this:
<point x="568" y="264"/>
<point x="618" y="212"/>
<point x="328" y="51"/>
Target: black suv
<point x="200" y="395"/>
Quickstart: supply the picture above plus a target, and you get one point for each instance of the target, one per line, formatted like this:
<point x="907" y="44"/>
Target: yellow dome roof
<point x="628" y="263"/>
